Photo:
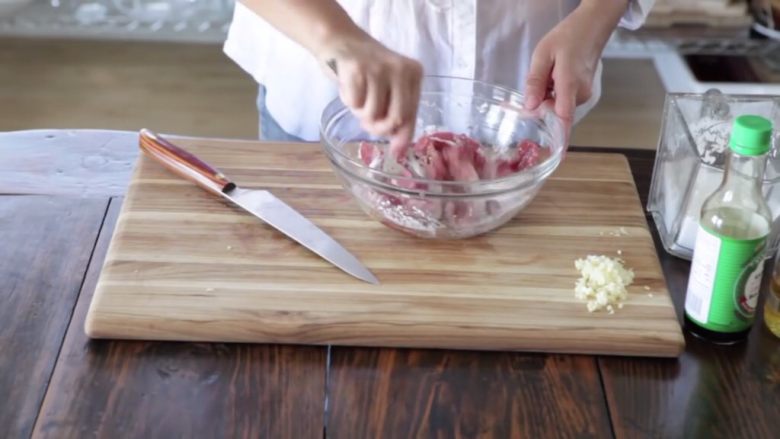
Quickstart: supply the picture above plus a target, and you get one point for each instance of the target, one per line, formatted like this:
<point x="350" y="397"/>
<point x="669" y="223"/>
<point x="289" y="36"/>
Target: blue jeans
<point x="269" y="128"/>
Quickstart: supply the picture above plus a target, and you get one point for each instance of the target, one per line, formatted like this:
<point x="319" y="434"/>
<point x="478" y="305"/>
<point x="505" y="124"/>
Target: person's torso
<point x="488" y="40"/>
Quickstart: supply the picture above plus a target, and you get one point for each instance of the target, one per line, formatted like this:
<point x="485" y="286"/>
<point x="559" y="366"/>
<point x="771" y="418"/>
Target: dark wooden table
<point x="60" y="192"/>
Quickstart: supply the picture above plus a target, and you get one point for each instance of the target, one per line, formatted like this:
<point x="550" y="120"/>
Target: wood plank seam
<point x="597" y="362"/>
<point x="325" y="410"/>
<point x="72" y="310"/>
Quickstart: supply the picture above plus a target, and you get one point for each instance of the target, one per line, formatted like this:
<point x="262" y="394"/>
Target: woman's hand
<point x="565" y="60"/>
<point x="381" y="87"/>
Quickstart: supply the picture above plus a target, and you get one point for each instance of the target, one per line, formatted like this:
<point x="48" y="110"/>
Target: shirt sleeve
<point x="636" y="14"/>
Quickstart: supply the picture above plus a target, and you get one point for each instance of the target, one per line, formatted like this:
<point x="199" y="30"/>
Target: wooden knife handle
<point x="184" y="163"/>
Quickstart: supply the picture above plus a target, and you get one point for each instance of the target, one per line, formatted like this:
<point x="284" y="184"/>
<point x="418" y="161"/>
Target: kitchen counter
<point x="668" y="51"/>
<point x="62" y="192"/>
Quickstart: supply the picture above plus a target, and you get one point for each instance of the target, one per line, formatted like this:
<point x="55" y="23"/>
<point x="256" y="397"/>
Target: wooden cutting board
<point x="183" y="265"/>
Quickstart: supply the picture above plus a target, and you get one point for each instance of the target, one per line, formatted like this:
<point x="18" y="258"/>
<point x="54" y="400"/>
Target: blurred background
<point x="127" y="64"/>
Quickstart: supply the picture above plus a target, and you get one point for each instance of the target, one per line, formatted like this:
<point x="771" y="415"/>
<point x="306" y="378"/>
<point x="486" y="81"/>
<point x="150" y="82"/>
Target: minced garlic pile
<point x="603" y="282"/>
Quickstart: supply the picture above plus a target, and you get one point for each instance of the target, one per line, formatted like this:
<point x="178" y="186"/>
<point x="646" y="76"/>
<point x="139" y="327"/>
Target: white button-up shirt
<point x="491" y="41"/>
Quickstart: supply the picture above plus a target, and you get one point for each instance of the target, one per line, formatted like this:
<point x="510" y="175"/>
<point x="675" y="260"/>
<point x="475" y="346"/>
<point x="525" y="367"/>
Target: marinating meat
<point x="441" y="157"/>
<point x="445" y="156"/>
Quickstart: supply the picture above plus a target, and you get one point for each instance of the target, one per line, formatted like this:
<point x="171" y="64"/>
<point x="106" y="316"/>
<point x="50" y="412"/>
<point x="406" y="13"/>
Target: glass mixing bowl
<point x="492" y="115"/>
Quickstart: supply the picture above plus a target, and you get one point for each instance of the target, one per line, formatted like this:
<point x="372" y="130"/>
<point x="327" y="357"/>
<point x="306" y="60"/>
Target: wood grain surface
<point x="402" y="393"/>
<point x="183" y="265"/>
<point x="74" y="163"/>
<point x="45" y="244"/>
<point x="709" y="391"/>
<point x="102" y="388"/>
<point x="112" y="389"/>
<point x="175" y="87"/>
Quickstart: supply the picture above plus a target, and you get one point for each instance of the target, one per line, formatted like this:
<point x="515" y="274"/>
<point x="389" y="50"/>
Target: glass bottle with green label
<point x="728" y="258"/>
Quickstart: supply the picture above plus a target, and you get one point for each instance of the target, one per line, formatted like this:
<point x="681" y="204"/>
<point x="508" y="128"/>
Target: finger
<point x="397" y="112"/>
<point x="565" y="98"/>
<point x="401" y="140"/>
<point x="403" y="135"/>
<point x="538" y="77"/>
<point x="413" y="102"/>
<point x="565" y="95"/>
<point x="377" y="98"/>
<point x="352" y="85"/>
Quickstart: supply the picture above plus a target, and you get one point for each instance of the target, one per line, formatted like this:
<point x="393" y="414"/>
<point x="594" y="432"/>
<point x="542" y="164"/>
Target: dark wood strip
<point x="130" y="389"/>
<point x="710" y="391"/>
<point x="394" y="393"/>
<point x="45" y="244"/>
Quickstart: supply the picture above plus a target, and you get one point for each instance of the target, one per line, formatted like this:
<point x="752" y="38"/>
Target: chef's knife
<point x="260" y="203"/>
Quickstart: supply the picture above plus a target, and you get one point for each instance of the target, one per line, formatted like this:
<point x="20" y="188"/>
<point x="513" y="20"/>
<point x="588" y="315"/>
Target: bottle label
<point x="725" y="281"/>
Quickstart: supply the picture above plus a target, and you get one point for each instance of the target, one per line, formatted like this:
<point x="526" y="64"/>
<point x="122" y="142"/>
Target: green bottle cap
<point x="751" y="135"/>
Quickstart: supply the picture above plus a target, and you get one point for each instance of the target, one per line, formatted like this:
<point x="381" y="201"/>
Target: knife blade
<point x="260" y="203"/>
<point x="275" y="212"/>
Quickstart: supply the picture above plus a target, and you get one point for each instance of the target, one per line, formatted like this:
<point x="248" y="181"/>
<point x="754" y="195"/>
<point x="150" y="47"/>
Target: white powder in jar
<point x="711" y="138"/>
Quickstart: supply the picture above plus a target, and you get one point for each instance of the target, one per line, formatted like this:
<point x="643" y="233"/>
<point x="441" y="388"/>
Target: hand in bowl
<point x="381" y="87"/>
